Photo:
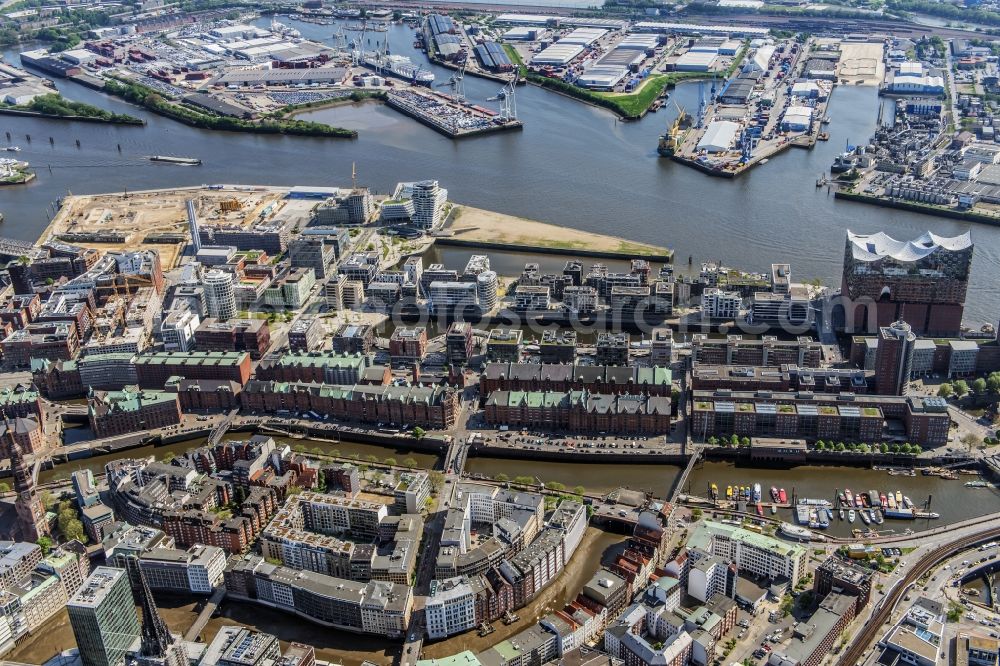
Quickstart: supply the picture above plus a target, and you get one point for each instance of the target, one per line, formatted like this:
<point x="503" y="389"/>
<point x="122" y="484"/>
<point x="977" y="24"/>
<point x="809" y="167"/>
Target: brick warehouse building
<point x="154" y="369"/>
<point x="923" y="281"/>
<point x="433" y="406"/>
<point x="842" y="417"/>
<point x="559" y="377"/>
<point x="579" y="411"/>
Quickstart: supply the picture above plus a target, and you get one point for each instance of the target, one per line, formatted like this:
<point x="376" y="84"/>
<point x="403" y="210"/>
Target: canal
<point x="356" y="450"/>
<point x="341" y="647"/>
<point x="572" y="165"/>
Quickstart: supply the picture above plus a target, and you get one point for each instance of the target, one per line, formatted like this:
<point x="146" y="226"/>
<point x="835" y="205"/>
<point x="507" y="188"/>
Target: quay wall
<point x="916" y="207"/>
<point x="562" y="251"/>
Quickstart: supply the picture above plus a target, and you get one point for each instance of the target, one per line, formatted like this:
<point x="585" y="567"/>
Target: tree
<point x="841" y="447"/>
<point x="734" y="441"/>
<point x="4" y="487"/>
<point x="820" y="445"/>
<point x="979" y="386"/>
<point x="744" y="441"/>
<point x="883" y="448"/>
<point x="556" y="486"/>
<point x="391" y="461"/>
<point x="864" y="448"/>
<point x="713" y="441"/>
<point x="45" y="543"/>
<point x="945" y="390"/>
<point x="993" y="382"/>
<point x="371" y="458"/>
<point x="502" y="478"/>
<point x="961" y="388"/>
<point x="579" y="490"/>
<point x="409" y="462"/>
<point x="74" y="530"/>
<point x="419" y="433"/>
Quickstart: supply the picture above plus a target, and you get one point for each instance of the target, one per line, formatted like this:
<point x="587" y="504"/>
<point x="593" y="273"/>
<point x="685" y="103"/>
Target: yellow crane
<point x="670" y="141"/>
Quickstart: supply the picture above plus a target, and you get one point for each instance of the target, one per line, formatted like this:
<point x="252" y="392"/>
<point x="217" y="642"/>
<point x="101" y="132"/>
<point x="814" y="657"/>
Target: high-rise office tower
<point x="103" y="616"/>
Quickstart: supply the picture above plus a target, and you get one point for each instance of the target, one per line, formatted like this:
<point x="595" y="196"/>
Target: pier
<point x="448" y="115"/>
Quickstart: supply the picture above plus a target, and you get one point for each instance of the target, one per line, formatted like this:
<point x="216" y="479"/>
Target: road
<point x="933" y="552"/>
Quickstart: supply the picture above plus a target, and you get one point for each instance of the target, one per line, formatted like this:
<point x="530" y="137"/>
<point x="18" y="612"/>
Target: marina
<point x="813" y="503"/>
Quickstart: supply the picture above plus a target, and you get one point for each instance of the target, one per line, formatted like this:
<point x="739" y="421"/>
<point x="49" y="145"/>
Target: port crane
<point x="457" y="83"/>
<point x="508" y="105"/>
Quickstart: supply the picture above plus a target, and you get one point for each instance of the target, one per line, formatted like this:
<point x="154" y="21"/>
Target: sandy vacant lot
<point x="861" y="63"/>
<point x="476" y="225"/>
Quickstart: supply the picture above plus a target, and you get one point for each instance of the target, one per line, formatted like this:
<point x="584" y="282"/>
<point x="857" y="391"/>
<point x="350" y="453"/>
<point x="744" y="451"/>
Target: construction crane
<point x="457" y="83"/>
<point x="508" y="104"/>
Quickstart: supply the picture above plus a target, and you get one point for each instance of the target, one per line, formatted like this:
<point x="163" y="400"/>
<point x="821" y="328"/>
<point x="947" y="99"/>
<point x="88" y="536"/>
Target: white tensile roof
<point x="872" y="247"/>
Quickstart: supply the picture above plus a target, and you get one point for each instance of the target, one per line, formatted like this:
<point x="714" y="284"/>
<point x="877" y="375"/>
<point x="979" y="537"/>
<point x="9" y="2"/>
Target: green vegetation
<point x="45" y="543"/>
<point x="69" y="522"/>
<point x="56" y="105"/>
<point x="155" y="102"/>
<point x="954" y="611"/>
<point x="516" y="58"/>
<point x="628" y="105"/>
<point x="357" y="96"/>
<point x="948" y="11"/>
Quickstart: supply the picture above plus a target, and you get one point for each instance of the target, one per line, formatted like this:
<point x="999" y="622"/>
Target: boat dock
<point x="448" y="115"/>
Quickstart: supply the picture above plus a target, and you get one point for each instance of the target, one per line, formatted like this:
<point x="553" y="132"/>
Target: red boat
<point x="760" y="509"/>
<point x="782" y="497"/>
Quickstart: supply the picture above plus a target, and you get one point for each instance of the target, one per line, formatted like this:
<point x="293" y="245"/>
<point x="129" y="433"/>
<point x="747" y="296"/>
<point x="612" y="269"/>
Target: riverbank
<point x="8" y="111"/>
<point x="915" y="207"/>
<point x="148" y="98"/>
<point x="474" y="227"/>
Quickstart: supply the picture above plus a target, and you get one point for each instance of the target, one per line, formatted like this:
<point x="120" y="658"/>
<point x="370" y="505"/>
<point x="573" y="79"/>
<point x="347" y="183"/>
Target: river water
<point x="572" y="165"/>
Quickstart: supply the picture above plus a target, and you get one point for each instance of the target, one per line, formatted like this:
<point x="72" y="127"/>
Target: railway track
<point x="852" y="656"/>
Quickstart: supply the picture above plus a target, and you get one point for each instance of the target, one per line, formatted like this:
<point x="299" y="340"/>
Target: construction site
<point x="156" y="219"/>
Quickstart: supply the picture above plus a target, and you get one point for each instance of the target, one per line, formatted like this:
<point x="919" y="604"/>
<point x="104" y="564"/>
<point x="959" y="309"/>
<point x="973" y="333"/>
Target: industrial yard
<point x="777" y="99"/>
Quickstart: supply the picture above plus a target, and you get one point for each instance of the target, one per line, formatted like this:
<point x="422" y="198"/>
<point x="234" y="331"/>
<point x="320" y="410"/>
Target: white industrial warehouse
<point x="719" y="137"/>
<point x="797" y="118"/>
<point x="696" y="61"/>
<point x="557" y="54"/>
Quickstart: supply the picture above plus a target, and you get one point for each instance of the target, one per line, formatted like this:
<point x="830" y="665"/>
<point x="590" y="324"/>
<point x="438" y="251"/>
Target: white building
<point x="450" y="608"/>
<point x="177" y="330"/>
<point x="797" y="119"/>
<point x="199" y="569"/>
<point x="428" y="204"/>
<point x="749" y="551"/>
<point x="719" y="137"/>
<point x="707" y="575"/>
<point x="453" y="295"/>
<point x="696" y="61"/>
<point x="718" y="304"/>
<point x="220" y="296"/>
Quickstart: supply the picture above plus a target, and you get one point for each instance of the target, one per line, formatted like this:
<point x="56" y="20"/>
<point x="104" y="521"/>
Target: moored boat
<point x="794" y="531"/>
<point x="755" y="493"/>
<point x="851" y="516"/>
<point x="774" y="494"/>
<point x="782" y="496"/>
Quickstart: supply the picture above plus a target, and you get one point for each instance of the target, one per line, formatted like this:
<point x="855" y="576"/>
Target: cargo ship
<point x="399" y="66"/>
<point x="185" y="161"/>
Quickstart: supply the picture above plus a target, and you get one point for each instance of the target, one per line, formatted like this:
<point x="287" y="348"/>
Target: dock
<point x="448" y="115"/>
